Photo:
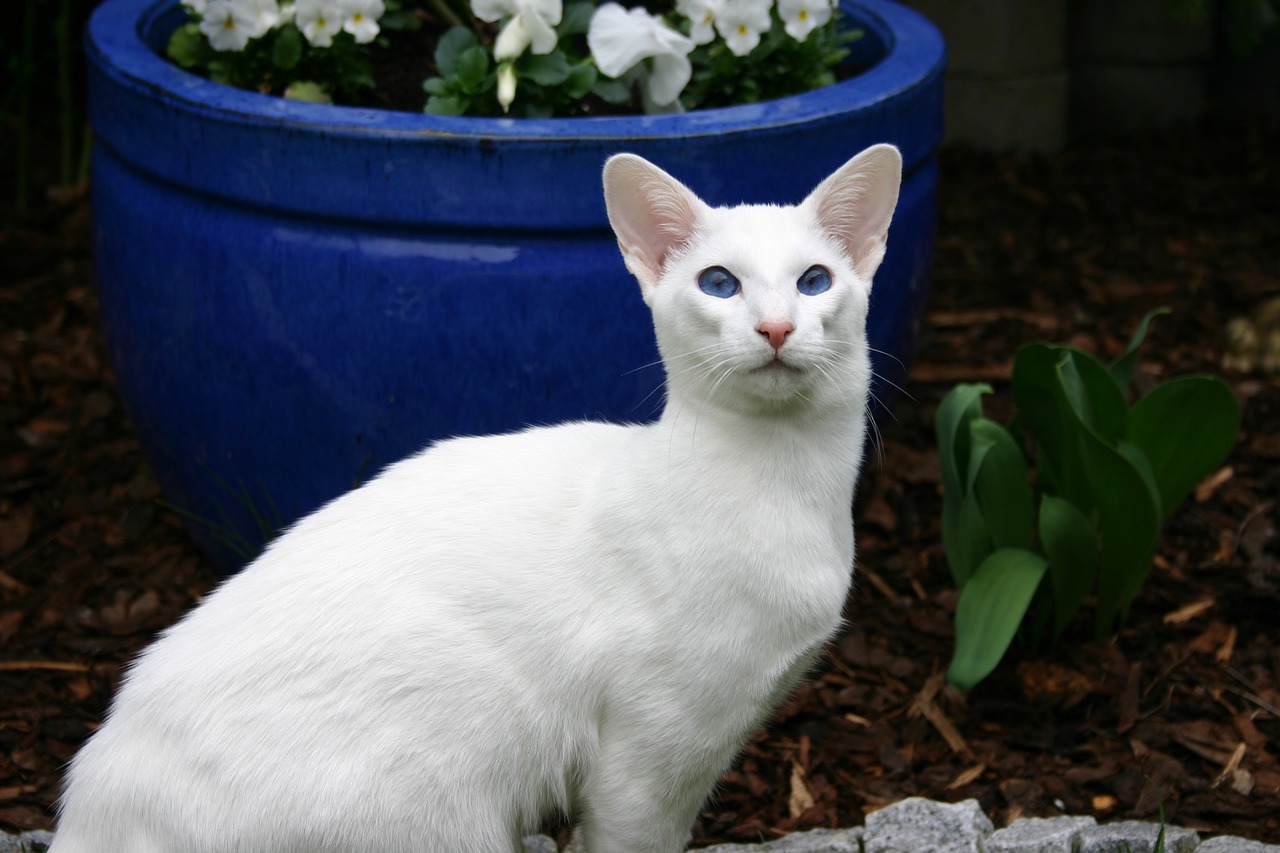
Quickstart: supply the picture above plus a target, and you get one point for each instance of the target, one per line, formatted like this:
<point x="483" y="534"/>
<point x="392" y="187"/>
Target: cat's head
<point x="758" y="307"/>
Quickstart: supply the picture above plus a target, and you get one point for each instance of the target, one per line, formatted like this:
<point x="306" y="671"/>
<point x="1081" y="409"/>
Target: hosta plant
<point x="1067" y="501"/>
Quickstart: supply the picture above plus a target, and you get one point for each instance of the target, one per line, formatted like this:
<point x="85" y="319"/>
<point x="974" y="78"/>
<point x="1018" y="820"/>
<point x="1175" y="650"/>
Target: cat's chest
<point x="726" y="549"/>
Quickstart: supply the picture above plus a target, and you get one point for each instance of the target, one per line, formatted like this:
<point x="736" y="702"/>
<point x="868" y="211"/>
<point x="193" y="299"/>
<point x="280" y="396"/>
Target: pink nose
<point x="776" y="333"/>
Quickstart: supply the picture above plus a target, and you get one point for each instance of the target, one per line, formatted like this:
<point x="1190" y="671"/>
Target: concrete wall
<point x="1032" y="74"/>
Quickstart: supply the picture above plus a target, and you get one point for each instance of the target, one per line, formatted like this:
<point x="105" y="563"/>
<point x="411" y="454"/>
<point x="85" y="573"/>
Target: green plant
<point x="524" y="58"/>
<point x="1028" y="552"/>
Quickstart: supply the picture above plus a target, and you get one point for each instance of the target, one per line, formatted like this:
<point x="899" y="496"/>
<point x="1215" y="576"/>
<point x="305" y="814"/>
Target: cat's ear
<point x="855" y="204"/>
<point x="651" y="212"/>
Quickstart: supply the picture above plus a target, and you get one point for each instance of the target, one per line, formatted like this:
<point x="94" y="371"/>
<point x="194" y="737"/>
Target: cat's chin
<point x="777" y="383"/>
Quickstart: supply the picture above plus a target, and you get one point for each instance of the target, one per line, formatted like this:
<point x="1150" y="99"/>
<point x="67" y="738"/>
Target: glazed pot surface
<point x="296" y="295"/>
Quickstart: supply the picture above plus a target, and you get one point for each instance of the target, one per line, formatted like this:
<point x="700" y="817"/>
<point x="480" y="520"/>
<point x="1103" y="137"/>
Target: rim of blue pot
<point x="138" y="99"/>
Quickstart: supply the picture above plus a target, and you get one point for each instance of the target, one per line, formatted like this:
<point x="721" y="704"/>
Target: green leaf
<point x="445" y="105"/>
<point x="611" y="91"/>
<point x="1037" y="390"/>
<point x="1129" y="521"/>
<point x="472" y="69"/>
<point x="1072" y="405"/>
<point x="999" y="481"/>
<point x="287" y="50"/>
<point x="307" y="90"/>
<point x="990" y="609"/>
<point x="1122" y="367"/>
<point x="1093" y="393"/>
<point x="581" y="78"/>
<point x="950" y="425"/>
<point x="1070" y="540"/>
<point x="1187" y="428"/>
<point x="1138" y="459"/>
<point x="576" y="19"/>
<point x="965" y="537"/>
<point x="187" y="46"/>
<point x="436" y="86"/>
<point x="551" y="69"/>
<point x="451" y="46"/>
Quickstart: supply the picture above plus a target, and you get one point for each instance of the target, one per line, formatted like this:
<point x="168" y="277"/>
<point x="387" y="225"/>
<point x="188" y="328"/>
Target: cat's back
<point x="466" y="506"/>
<point x="392" y="594"/>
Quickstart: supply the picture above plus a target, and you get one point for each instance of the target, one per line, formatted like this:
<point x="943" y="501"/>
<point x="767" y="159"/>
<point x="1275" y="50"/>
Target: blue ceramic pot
<point x="295" y="295"/>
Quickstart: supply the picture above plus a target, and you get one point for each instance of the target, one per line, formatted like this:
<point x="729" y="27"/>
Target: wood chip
<point x="51" y="665"/>
<point x="967" y="776"/>
<point x="1188" y="612"/>
<point x="924" y="706"/>
<point x="1223" y="654"/>
<point x="1232" y="765"/>
<point x="801" y="799"/>
<point x="1213" y="482"/>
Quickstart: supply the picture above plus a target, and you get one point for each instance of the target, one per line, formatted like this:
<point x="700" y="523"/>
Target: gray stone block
<point x="34" y="841"/>
<point x="1021" y="114"/>
<point x="999" y="38"/>
<point x="1232" y="844"/>
<point x="917" y="824"/>
<point x="1040" y="835"/>
<point x="1132" y="836"/>
<point x="1120" y="99"/>
<point x="813" y="841"/>
<point x="1135" y="32"/>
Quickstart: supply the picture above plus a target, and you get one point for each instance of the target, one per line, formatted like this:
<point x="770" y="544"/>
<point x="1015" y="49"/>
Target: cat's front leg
<point x="632" y="821"/>
<point x="643" y="794"/>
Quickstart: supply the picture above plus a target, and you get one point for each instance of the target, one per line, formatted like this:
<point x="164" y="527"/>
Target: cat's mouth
<point x="777" y="365"/>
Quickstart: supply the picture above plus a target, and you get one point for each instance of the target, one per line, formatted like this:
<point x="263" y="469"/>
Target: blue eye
<point x="718" y="282"/>
<point x="814" y="281"/>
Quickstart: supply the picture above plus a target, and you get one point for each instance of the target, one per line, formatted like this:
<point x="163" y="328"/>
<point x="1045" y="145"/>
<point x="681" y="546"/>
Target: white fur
<point x="586" y="617"/>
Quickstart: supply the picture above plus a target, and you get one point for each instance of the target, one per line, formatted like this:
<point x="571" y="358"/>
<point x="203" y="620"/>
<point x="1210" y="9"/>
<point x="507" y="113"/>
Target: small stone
<point x="1039" y="835"/>
<point x="916" y="824"/>
<point x="34" y="841"/>
<point x="1132" y="836"/>
<point x="1232" y="844"/>
<point x="813" y="841"/>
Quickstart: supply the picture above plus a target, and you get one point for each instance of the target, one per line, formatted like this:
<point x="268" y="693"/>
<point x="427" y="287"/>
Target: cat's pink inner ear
<point x="856" y="203"/>
<point x="651" y="212"/>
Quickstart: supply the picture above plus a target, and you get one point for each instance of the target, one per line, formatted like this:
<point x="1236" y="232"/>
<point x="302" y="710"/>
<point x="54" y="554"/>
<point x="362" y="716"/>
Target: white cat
<point x="588" y="617"/>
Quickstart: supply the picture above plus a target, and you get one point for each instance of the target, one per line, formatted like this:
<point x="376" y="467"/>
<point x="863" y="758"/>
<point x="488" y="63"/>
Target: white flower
<point x="506" y="85"/>
<point x="742" y="22"/>
<point x="319" y="21"/>
<point x="196" y="7"/>
<point x="529" y="27"/>
<point x="620" y="39"/>
<point x="265" y="13"/>
<point x="360" y="18"/>
<point x="802" y="17"/>
<point x="228" y="24"/>
<point x="702" y="18"/>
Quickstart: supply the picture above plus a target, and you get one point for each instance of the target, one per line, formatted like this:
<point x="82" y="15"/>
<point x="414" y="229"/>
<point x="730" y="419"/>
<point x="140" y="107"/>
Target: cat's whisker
<point x="902" y="365"/>
<point x="880" y="377"/>
<point x="876" y="440"/>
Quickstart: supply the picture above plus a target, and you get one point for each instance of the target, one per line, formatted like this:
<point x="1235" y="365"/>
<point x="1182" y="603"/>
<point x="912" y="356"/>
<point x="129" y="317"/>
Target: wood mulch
<point x="1180" y="711"/>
